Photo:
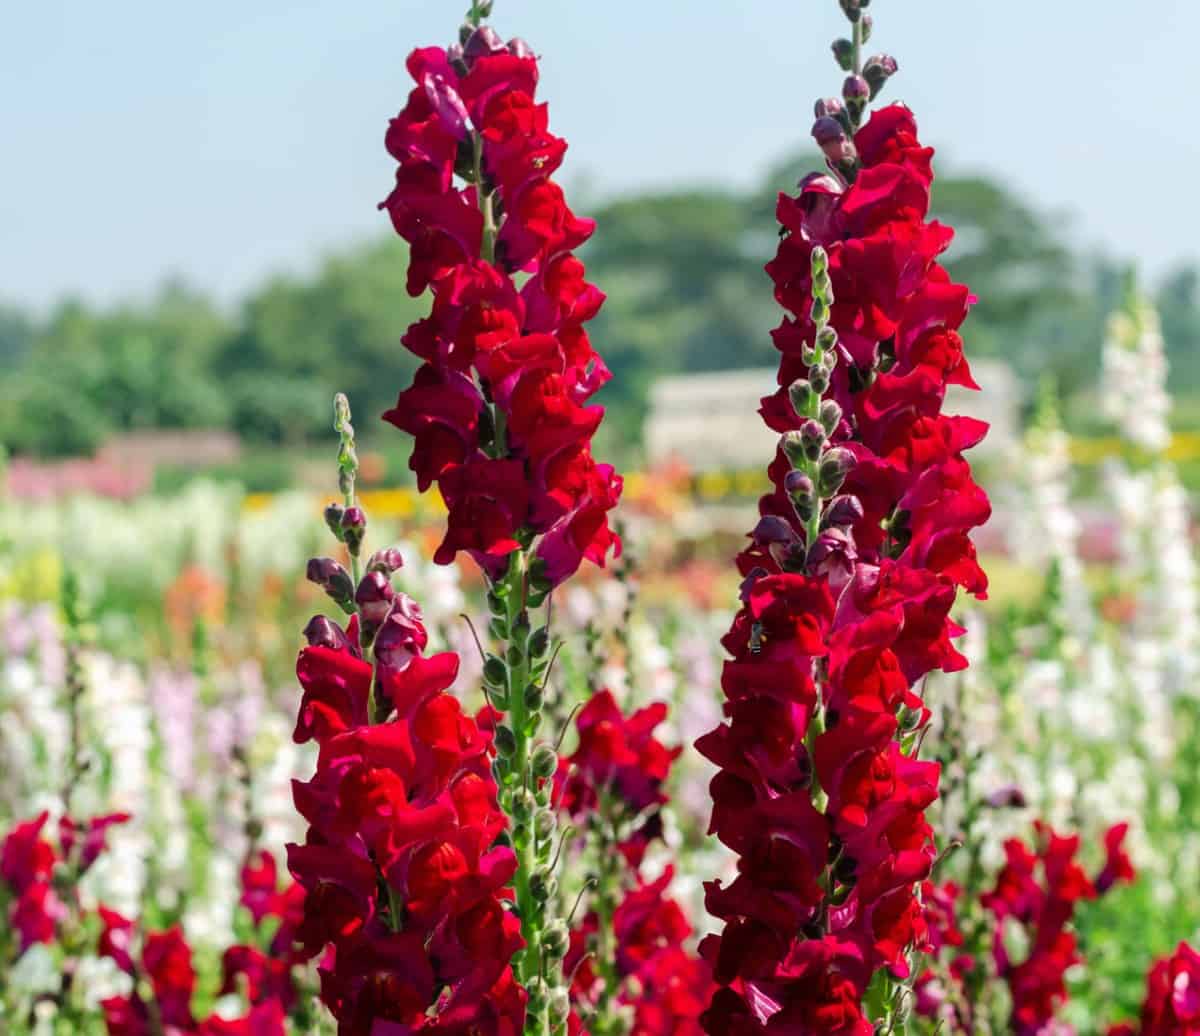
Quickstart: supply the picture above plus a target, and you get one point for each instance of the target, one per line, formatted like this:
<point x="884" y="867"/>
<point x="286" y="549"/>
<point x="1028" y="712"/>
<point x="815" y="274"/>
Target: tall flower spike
<point x="499" y="409"/>
<point x="401" y="864"/>
<point x="850" y="576"/>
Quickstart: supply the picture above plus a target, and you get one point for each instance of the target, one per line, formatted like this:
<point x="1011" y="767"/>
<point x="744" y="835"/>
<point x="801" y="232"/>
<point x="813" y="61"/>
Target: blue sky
<point x="225" y="140"/>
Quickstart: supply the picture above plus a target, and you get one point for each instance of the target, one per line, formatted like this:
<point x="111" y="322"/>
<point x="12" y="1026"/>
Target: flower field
<point x="863" y="741"/>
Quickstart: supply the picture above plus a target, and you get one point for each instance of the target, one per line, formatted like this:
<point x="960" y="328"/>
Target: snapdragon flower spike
<point x="159" y="963"/>
<point x="849" y="582"/>
<point x="631" y="972"/>
<point x="499" y="408"/>
<point x="403" y="873"/>
<point x="1039" y="890"/>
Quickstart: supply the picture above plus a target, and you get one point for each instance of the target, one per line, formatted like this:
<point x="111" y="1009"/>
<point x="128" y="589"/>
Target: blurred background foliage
<point x="683" y="271"/>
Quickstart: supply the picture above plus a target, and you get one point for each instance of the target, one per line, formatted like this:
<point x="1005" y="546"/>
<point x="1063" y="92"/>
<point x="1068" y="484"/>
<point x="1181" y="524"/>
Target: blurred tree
<point x="338" y="330"/>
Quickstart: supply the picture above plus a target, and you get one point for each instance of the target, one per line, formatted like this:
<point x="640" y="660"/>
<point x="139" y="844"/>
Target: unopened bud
<point x="835" y="466"/>
<point x="878" y="70"/>
<point x="856" y="91"/>
<point x="559" y="1007"/>
<point x="518" y="48"/>
<point x="812" y="438"/>
<point x="539" y="642"/>
<point x="334" y="580"/>
<point x="543" y="885"/>
<point x="831" y="106"/>
<point x="772" y="529"/>
<point x="495" y="672"/>
<point x="387" y="561"/>
<point x="483" y="42"/>
<point x="505" y="740"/>
<point x="324" y="632"/>
<point x="523" y="805"/>
<point x="802" y="397"/>
<point x="333" y="518"/>
<point x="544" y="761"/>
<point x="831" y="138"/>
<point x="537" y="993"/>
<point x="827" y="340"/>
<point x="793" y="449"/>
<point x="818" y="374"/>
<point x="868" y="23"/>
<point x="830" y="416"/>
<point x="535" y="698"/>
<point x="844" y="511"/>
<point x="374" y="596"/>
<point x="556" y="941"/>
<point x="354" y="527"/>
<point x="544" y="823"/>
<point x="843" y="54"/>
<point x="852" y="9"/>
<point x="800" y="489"/>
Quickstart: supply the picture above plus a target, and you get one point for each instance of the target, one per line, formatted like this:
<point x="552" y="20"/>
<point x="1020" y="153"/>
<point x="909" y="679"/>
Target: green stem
<point x="486" y="206"/>
<point x="856" y="37"/>
<point x="520" y="780"/>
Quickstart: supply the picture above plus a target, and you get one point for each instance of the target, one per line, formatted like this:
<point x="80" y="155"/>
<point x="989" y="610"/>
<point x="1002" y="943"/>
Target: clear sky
<point x="227" y="139"/>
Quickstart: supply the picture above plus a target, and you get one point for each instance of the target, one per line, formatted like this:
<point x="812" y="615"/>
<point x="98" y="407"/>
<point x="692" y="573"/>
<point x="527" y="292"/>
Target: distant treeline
<point x="683" y="271"/>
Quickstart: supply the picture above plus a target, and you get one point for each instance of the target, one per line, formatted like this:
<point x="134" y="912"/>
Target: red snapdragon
<point x="850" y="577"/>
<point x="628" y="953"/>
<point x="1039" y="890"/>
<point x="499" y="409"/>
<point x="1172" y="1005"/>
<point x="400" y="865"/>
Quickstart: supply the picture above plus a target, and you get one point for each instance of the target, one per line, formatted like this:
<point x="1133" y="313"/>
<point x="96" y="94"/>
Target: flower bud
<point x="323" y="632"/>
<point x="818" y="374"/>
<point x="868" y="23"/>
<point x="835" y="466"/>
<point x="544" y="824"/>
<point x="401" y="636"/>
<point x="843" y="54"/>
<point x="812" y="438"/>
<point x="539" y="642"/>
<point x="831" y="106"/>
<point x="802" y="397"/>
<point x="374" y="596"/>
<point x="559" y="1007"/>
<point x="831" y="139"/>
<point x="523" y="805"/>
<point x="334" y="580"/>
<point x="827" y="340"/>
<point x="387" y="561"/>
<point x="535" y="698"/>
<point x="878" y="70"/>
<point x="543" y="885"/>
<point x="801" y="491"/>
<point x="852" y="9"/>
<point x="518" y="48"/>
<point x="354" y="527"/>
<point x="555" y="940"/>
<point x="856" y="91"/>
<point x="772" y="529"/>
<point x="483" y="42"/>
<point x="505" y="740"/>
<point x="544" y="761"/>
<point x="495" y="672"/>
<point x="830" y="415"/>
<point x="793" y="449"/>
<point x="333" y="519"/>
<point x="843" y="512"/>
